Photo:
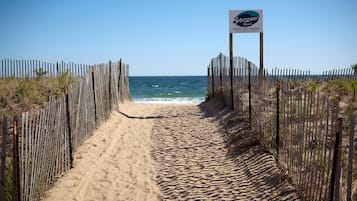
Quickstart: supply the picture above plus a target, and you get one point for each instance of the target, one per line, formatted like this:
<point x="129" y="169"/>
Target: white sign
<point x="245" y="21"/>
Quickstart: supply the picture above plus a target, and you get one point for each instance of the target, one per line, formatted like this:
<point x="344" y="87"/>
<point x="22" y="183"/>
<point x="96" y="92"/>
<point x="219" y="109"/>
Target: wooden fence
<point x="338" y="74"/>
<point x="300" y="127"/>
<point x="11" y="68"/>
<point x="41" y="143"/>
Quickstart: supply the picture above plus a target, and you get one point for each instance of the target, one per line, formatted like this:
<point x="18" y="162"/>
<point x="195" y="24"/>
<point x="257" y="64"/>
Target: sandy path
<point x="167" y="152"/>
<point x="115" y="163"/>
<point x="194" y="165"/>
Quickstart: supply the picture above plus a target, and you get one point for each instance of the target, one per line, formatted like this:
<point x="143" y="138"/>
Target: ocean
<point x="168" y="89"/>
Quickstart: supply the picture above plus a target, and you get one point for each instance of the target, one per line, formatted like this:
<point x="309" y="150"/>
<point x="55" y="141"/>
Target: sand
<point x="168" y="152"/>
<point x="115" y="163"/>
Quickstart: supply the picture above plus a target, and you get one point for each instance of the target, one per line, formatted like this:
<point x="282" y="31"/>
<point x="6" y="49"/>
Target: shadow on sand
<point x="243" y="147"/>
<point x="148" y="117"/>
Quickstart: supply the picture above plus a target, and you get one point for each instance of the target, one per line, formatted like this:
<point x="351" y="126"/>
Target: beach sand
<point x="115" y="163"/>
<point x="168" y="152"/>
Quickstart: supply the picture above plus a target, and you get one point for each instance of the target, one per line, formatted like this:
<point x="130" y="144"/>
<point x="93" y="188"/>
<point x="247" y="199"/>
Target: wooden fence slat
<point x="307" y="139"/>
<point x="312" y="144"/>
<point x="336" y="169"/>
<point x="15" y="164"/>
<point x="327" y="151"/>
<point x="69" y="129"/>
<point x="303" y="133"/>
<point x="313" y="140"/>
<point x="41" y="151"/>
<point x="21" y="154"/>
<point x="350" y="157"/>
<point x="3" y="158"/>
<point x="2" y="68"/>
<point x="52" y="109"/>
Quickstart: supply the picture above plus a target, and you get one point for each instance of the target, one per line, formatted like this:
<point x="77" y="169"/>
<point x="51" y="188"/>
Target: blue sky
<point x="167" y="37"/>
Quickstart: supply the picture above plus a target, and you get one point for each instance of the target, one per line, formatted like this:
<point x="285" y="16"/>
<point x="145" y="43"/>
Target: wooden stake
<point x="261" y="64"/>
<point x="231" y="67"/>
<point x="69" y="135"/>
<point x="3" y="158"/>
<point x="336" y="168"/>
<point x="350" y="158"/>
<point x="110" y="85"/>
<point x="249" y="93"/>
<point x="15" y="164"/>
<point x="277" y="139"/>
<point x="213" y="75"/>
<point x="95" y="103"/>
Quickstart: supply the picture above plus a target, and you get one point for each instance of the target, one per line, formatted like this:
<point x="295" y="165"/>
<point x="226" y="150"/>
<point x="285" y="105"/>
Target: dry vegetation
<point x="18" y="95"/>
<point x="344" y="89"/>
<point x="27" y="94"/>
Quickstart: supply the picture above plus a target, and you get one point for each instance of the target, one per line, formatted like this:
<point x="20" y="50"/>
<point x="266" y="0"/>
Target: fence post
<point x="127" y="82"/>
<point x="249" y="93"/>
<point x="3" y="158"/>
<point x="95" y="103"/>
<point x="2" y="69"/>
<point x="110" y="85"/>
<point x="231" y="67"/>
<point x="277" y="138"/>
<point x="119" y="69"/>
<point x="209" y="93"/>
<point x="15" y="163"/>
<point x="212" y="78"/>
<point x="68" y="114"/>
<point x="336" y="166"/>
<point x="220" y="78"/>
<point x="350" y="158"/>
<point x="57" y="68"/>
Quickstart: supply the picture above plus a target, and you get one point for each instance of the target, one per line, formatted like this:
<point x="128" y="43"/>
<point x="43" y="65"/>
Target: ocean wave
<point x="155" y="86"/>
<point x="176" y="100"/>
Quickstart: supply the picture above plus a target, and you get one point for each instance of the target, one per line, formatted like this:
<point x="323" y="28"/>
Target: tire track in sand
<point x="193" y="164"/>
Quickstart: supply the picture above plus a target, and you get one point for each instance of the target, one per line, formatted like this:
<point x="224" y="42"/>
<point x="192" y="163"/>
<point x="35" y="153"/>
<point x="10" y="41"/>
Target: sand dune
<point x="168" y="152"/>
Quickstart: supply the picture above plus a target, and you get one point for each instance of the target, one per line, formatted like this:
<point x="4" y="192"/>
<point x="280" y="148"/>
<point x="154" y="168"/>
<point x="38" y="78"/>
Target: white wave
<point x="155" y="85"/>
<point x="177" y="100"/>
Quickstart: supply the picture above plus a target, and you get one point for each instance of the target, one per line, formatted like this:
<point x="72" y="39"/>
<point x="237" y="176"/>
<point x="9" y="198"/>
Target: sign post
<point x="245" y="21"/>
<point x="231" y="67"/>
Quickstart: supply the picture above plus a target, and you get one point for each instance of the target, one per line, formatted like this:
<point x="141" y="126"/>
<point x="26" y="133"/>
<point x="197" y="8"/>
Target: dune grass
<point x="24" y="94"/>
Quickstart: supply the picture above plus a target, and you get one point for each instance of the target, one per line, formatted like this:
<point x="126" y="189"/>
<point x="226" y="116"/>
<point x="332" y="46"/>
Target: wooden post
<point x="277" y="138"/>
<point x="110" y="85"/>
<point x="350" y="158"/>
<point x="57" y="68"/>
<point x="120" y="96"/>
<point x="249" y="93"/>
<point x="220" y="73"/>
<point x="213" y="75"/>
<point x="2" y="71"/>
<point x="69" y="135"/>
<point x="209" y="92"/>
<point x="231" y="67"/>
<point x="127" y="82"/>
<point x="3" y="158"/>
<point x="95" y="103"/>
<point x="15" y="163"/>
<point x="336" y="166"/>
<point x="261" y="63"/>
